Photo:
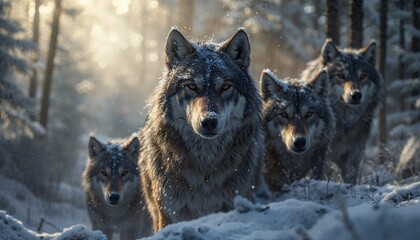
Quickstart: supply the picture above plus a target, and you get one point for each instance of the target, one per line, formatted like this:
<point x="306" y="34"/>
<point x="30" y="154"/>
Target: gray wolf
<point x="355" y="93"/>
<point x="299" y="125"/>
<point x="202" y="142"/>
<point x="112" y="184"/>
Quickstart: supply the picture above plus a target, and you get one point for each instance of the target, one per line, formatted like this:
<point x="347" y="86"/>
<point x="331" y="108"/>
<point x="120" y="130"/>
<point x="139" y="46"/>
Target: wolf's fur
<point x="202" y="142"/>
<point x="299" y="126"/>
<point x="352" y="73"/>
<point x="112" y="169"/>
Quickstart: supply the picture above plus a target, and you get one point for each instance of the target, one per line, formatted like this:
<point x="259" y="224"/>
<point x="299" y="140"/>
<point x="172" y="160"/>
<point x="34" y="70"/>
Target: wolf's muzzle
<point x="355" y="97"/>
<point x="299" y="144"/>
<point x="114" y="198"/>
<point x="208" y="125"/>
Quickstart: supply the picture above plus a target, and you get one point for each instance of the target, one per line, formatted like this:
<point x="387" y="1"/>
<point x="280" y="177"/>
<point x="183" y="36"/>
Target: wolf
<point x="299" y="126"/>
<point x="202" y="142"/>
<point x="356" y="91"/>
<point x="111" y="181"/>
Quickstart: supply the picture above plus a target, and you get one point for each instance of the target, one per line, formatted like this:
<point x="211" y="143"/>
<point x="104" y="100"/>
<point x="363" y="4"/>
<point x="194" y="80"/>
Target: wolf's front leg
<point x="164" y="220"/>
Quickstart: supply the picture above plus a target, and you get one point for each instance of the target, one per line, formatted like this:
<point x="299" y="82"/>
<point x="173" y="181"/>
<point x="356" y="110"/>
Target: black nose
<point x="114" y="198"/>
<point x="299" y="143"/>
<point x="209" y="123"/>
<point x="356" y="96"/>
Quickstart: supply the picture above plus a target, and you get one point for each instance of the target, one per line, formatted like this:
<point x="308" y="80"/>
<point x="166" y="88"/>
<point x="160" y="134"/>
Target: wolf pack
<point x="211" y="134"/>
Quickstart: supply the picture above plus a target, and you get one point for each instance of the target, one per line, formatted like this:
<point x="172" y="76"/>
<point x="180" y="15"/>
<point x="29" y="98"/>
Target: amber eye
<point x="125" y="172"/>
<point x="284" y="114"/>
<point x="225" y="86"/>
<point x="103" y="172"/>
<point x="192" y="86"/>
<point x="309" y="114"/>
<point x="363" y="77"/>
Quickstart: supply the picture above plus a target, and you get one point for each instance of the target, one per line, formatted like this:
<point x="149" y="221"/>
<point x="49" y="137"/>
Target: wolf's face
<point x="352" y="72"/>
<point x="292" y="109"/>
<point x="114" y="169"/>
<point x="206" y="84"/>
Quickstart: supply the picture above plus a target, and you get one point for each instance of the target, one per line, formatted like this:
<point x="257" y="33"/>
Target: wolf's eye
<point x="341" y="75"/>
<point x="284" y="114"/>
<point x="309" y="114"/>
<point x="363" y="77"/>
<point x="225" y="86"/>
<point x="192" y="86"/>
<point x="125" y="172"/>
<point x="103" y="172"/>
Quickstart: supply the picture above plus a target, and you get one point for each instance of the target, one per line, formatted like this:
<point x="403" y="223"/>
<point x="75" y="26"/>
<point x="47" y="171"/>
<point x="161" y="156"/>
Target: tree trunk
<point x="382" y="133"/>
<point x="43" y="118"/>
<point x="401" y="67"/>
<point x="35" y="55"/>
<point x="333" y="21"/>
<point x="415" y="42"/>
<point x="356" y="23"/>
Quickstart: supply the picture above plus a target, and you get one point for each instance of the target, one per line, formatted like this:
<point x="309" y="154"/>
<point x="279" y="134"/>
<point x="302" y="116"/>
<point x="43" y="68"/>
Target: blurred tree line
<point x="68" y="68"/>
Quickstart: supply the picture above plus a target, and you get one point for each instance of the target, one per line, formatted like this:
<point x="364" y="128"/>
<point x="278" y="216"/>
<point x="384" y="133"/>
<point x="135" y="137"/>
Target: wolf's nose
<point x="114" y="198"/>
<point x="209" y="123"/>
<point x="299" y="143"/>
<point x="356" y="96"/>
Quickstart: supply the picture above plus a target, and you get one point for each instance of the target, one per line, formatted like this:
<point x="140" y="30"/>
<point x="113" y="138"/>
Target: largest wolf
<point x="355" y="93"/>
<point x="203" y="142"/>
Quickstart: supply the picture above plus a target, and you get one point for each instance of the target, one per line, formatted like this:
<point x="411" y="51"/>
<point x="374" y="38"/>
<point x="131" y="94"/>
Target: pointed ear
<point x="320" y="84"/>
<point x="238" y="48"/>
<point x="270" y="86"/>
<point x="369" y="53"/>
<point x="132" y="147"/>
<point x="177" y="48"/>
<point x="96" y="148"/>
<point x="329" y="51"/>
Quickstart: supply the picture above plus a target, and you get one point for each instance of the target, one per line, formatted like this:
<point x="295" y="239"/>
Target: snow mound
<point x="367" y="222"/>
<point x="13" y="229"/>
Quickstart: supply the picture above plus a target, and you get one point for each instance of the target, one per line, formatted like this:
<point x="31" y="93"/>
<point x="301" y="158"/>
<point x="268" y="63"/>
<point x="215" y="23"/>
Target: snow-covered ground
<point x="308" y="209"/>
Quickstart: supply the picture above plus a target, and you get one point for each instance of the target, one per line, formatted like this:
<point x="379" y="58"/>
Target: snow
<point x="307" y="209"/>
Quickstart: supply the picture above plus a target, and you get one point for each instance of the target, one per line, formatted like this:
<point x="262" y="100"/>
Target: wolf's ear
<point x="238" y="48"/>
<point x="177" y="48"/>
<point x="320" y="84"/>
<point x="369" y="53"/>
<point x="270" y="86"/>
<point x="96" y="148"/>
<point x="329" y="51"/>
<point x="133" y="147"/>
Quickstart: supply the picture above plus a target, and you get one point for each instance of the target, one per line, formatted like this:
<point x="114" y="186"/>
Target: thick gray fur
<point x="295" y="109"/>
<point x="129" y="218"/>
<point x="349" y="70"/>
<point x="187" y="173"/>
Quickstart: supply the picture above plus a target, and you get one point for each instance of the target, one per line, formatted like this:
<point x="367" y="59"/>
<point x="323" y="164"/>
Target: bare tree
<point x="382" y="133"/>
<point x="415" y="42"/>
<point x="333" y="21"/>
<point x="401" y="67"/>
<point x="35" y="56"/>
<point x="43" y="118"/>
<point x="356" y="23"/>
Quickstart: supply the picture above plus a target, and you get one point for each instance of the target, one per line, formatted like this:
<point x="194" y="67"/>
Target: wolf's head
<point x="114" y="168"/>
<point x="352" y="72"/>
<point x="293" y="109"/>
<point x="207" y="85"/>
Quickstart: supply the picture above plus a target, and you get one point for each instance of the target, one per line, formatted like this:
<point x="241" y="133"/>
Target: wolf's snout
<point x="209" y="123"/>
<point x="356" y="96"/>
<point x="114" y="198"/>
<point x="299" y="144"/>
